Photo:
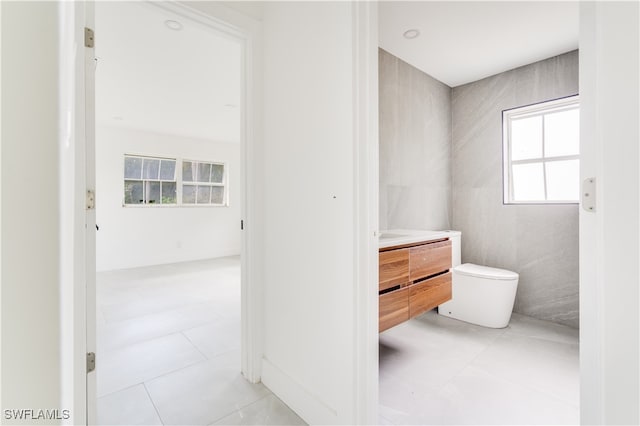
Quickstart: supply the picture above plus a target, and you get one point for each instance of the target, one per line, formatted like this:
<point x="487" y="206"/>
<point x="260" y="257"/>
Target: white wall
<point x="609" y="238"/>
<point x="139" y="236"/>
<point x="30" y="205"/>
<point x="309" y="294"/>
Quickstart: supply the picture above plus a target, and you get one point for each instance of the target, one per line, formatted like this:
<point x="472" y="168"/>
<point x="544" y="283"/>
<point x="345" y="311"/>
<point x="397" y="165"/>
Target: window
<point x="203" y="183"/>
<point x="158" y="181"/>
<point x="541" y="146"/>
<point x="149" y="180"/>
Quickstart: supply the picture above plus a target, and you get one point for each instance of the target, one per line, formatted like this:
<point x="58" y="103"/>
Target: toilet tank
<point x="456" y="248"/>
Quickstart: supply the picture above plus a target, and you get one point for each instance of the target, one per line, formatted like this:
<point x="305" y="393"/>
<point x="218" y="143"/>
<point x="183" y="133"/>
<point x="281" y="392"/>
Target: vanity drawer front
<point x="393" y="268"/>
<point x="393" y="308"/>
<point x="429" y="259"/>
<point x="428" y="294"/>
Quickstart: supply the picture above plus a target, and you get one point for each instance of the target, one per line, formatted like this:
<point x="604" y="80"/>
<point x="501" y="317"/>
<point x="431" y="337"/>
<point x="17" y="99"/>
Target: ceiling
<point x="152" y="78"/>
<point x="461" y="42"/>
<point x="188" y="82"/>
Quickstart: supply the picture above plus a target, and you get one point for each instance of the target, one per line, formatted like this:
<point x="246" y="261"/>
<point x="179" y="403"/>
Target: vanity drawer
<point x="428" y="294"/>
<point x="393" y="268"/>
<point x="393" y="308"/>
<point x="429" y="259"/>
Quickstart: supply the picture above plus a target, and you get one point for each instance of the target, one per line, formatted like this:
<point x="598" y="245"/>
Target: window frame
<point x="224" y="184"/>
<point x="538" y="109"/>
<point x="145" y="182"/>
<point x="179" y="183"/>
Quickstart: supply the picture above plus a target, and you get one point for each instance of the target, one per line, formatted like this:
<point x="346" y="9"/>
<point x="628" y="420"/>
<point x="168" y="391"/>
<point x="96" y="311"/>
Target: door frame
<point x="77" y="224"/>
<point x="76" y="258"/>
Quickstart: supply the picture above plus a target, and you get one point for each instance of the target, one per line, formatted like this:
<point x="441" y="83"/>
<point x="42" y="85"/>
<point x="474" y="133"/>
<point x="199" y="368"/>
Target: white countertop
<point x="398" y="237"/>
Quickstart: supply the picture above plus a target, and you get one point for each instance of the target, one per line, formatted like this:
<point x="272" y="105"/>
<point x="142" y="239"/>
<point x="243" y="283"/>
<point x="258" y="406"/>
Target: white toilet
<point x="480" y="295"/>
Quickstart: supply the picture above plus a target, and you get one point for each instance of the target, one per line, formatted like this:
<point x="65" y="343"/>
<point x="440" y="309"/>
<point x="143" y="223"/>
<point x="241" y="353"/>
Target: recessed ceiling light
<point x="411" y="34"/>
<point x="173" y="25"/>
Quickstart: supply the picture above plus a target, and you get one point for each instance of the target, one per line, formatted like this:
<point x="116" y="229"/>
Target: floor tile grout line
<point x="188" y="306"/>
<point x="119" y="390"/>
<point x="143" y="342"/>
<point x="460" y="370"/>
<point x="149" y="379"/>
<point x="147" y="340"/>
<point x="542" y="339"/>
<point x="173" y="264"/>
<point x="525" y="386"/>
<point x="195" y="346"/>
<point x="439" y="389"/>
<point x="153" y="403"/>
<point x="221" y="319"/>
<point x="241" y="408"/>
<point x="387" y="419"/>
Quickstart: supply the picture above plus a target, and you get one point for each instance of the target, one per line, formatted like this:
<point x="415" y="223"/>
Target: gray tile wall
<point x="540" y="242"/>
<point x="415" y="147"/>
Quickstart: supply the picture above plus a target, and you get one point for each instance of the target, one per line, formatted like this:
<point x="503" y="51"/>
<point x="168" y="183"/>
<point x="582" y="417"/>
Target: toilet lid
<point x="484" y="272"/>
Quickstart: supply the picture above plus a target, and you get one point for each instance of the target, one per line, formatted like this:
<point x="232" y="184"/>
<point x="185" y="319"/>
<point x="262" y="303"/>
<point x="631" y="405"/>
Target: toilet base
<point x="482" y="300"/>
<point x="499" y="323"/>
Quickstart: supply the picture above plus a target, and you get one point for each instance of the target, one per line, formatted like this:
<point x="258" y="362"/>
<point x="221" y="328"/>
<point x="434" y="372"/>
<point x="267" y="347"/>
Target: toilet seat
<point x="479" y="271"/>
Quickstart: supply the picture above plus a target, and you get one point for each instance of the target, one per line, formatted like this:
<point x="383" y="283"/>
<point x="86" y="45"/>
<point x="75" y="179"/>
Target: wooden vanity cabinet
<point x="426" y="295"/>
<point x="413" y="279"/>
<point x="393" y="268"/>
<point x="394" y="308"/>
<point x="429" y="259"/>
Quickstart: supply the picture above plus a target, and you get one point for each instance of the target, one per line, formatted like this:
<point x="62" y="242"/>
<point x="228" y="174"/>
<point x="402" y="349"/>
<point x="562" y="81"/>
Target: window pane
<point x="562" y="133"/>
<point x="204" y="194"/>
<point x="132" y="167"/>
<point x="217" y="173"/>
<point x="188" y="171"/>
<point x="153" y="192"/>
<point x="169" y="195"/>
<point x="151" y="168"/>
<point x="217" y="194"/>
<point x="133" y="192"/>
<point x="189" y="194"/>
<point x="168" y="170"/>
<point x="204" y="172"/>
<point x="528" y="182"/>
<point x="526" y="138"/>
<point x="563" y="180"/>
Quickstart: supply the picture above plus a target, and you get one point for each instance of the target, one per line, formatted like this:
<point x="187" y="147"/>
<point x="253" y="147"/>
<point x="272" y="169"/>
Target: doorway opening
<point x="441" y="168"/>
<point x="171" y="194"/>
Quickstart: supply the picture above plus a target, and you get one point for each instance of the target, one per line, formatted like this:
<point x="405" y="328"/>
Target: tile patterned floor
<point x="437" y="370"/>
<point x="168" y="344"/>
<point x="169" y="349"/>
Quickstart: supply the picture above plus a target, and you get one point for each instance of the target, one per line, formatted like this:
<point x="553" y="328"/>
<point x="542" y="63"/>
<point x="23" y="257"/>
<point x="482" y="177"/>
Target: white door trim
<point x="365" y="69"/>
<point x="610" y="235"/>
<point x="75" y="142"/>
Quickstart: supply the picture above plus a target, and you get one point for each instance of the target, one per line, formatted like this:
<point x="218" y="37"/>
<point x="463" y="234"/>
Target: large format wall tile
<point x="415" y="147"/>
<point x="540" y="242"/>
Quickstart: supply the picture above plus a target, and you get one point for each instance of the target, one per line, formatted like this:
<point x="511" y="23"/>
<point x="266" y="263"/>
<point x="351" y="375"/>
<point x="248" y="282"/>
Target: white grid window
<point x="541" y="147"/>
<point x="154" y="181"/>
<point x="149" y="180"/>
<point x="203" y="183"/>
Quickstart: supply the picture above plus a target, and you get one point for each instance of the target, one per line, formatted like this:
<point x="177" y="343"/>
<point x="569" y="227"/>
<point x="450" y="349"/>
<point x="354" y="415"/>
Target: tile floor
<point x="169" y="349"/>
<point x="169" y="341"/>
<point x="437" y="370"/>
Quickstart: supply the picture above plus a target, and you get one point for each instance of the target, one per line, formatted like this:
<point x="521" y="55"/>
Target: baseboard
<point x="310" y="407"/>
